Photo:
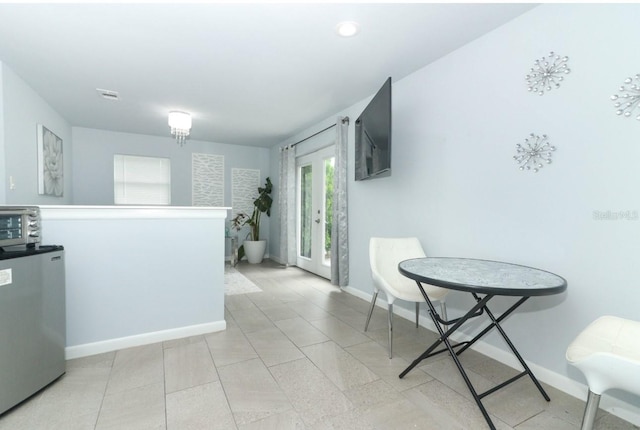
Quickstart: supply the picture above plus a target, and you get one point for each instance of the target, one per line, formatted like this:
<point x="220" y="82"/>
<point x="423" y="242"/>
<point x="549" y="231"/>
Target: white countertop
<point x="131" y="212"/>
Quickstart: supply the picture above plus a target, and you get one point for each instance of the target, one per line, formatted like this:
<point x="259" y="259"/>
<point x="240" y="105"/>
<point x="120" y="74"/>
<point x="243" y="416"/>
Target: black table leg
<point x="445" y="339"/>
<point x="517" y="354"/>
<point x="491" y="326"/>
<point x="481" y="305"/>
<point x="443" y="336"/>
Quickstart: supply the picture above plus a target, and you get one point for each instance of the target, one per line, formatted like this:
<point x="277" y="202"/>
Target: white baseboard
<point x="109" y="345"/>
<point x="364" y="296"/>
<point x="227" y="258"/>
<point x="619" y="408"/>
<point x="276" y="259"/>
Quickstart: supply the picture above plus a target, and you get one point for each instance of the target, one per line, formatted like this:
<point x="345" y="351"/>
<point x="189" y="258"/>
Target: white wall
<point x="94" y="150"/>
<point x="88" y="153"/>
<point x="455" y="185"/>
<point x="23" y="109"/>
<point x="93" y="164"/>
<point x="3" y="167"/>
<point x="141" y="278"/>
<point x="456" y="126"/>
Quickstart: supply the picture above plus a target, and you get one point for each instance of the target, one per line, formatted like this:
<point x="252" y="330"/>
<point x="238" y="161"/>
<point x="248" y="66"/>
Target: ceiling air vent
<point x="108" y="94"/>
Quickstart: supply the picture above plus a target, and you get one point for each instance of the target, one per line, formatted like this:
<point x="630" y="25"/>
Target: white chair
<point x="608" y="354"/>
<point x="384" y="256"/>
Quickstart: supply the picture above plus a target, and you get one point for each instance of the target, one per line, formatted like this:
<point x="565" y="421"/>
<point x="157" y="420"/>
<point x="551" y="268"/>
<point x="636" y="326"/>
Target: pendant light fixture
<point x="180" y="124"/>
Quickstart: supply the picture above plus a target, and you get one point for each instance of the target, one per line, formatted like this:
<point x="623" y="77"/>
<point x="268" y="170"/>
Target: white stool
<point x="608" y="353"/>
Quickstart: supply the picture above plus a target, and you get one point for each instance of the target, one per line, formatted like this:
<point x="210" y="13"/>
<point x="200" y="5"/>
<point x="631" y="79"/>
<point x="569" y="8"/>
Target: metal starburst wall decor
<point x="535" y="151"/>
<point x="547" y="73"/>
<point x="629" y="98"/>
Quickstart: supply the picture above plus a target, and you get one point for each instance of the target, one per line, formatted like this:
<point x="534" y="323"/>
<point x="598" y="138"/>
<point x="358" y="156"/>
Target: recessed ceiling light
<point x="348" y="28"/>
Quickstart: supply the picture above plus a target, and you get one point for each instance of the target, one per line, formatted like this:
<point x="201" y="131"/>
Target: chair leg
<point x="390" y="329"/>
<point x="417" y="313"/>
<point x="373" y="304"/>
<point x="443" y="313"/>
<point x="593" y="400"/>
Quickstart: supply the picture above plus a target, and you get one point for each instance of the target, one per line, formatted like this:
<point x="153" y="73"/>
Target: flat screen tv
<point x="373" y="137"/>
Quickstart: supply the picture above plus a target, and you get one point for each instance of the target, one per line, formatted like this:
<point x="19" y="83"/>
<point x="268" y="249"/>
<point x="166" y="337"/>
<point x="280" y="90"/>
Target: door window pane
<point x="306" y="210"/>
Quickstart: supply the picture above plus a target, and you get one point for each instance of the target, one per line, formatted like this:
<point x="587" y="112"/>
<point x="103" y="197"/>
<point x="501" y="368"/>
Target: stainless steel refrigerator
<point x="32" y="322"/>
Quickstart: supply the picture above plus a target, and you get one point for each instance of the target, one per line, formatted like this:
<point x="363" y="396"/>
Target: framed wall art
<point x="50" y="163"/>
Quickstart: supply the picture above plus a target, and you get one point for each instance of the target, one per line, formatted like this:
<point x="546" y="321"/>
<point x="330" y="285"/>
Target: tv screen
<point x="373" y="137"/>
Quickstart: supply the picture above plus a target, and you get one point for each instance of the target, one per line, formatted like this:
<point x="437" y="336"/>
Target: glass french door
<point x="315" y="198"/>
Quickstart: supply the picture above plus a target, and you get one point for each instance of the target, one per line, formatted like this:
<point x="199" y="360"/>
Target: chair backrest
<point x="384" y="255"/>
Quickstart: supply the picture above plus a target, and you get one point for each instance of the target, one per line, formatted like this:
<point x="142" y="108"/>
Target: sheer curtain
<point x="286" y="191"/>
<point x="339" y="230"/>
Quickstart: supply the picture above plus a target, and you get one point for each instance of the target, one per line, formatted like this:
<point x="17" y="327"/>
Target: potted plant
<point x="253" y="247"/>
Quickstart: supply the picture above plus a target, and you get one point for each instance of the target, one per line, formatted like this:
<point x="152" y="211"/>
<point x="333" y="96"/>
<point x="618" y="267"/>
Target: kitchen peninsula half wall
<point x="138" y="274"/>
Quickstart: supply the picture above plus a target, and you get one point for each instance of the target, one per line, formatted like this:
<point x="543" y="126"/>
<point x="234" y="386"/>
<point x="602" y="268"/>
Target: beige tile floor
<point x="293" y="357"/>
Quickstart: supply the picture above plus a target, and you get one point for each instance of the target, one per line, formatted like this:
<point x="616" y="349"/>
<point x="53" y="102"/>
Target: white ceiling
<point x="252" y="74"/>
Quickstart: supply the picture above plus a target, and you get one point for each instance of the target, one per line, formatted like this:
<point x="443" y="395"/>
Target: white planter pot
<point x="254" y="250"/>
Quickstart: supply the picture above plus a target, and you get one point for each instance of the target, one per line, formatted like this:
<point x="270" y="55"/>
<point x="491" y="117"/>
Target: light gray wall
<point x="93" y="164"/>
<point x="455" y="185"/>
<point x="88" y="153"/>
<point x="3" y="167"/>
<point x="23" y="109"/>
<point x="161" y="281"/>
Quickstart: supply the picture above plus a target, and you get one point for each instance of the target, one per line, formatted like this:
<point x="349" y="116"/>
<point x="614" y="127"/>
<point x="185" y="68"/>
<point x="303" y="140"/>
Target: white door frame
<point x="316" y="263"/>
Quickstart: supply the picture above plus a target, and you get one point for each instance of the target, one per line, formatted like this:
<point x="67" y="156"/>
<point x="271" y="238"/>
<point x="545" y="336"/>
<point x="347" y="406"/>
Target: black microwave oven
<point x="20" y="225"/>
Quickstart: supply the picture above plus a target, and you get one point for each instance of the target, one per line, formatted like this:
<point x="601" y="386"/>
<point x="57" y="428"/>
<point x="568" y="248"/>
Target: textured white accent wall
<point x="207" y="179"/>
<point x="244" y="190"/>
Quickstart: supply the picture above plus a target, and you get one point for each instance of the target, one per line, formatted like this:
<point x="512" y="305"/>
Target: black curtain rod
<point x="345" y="119"/>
